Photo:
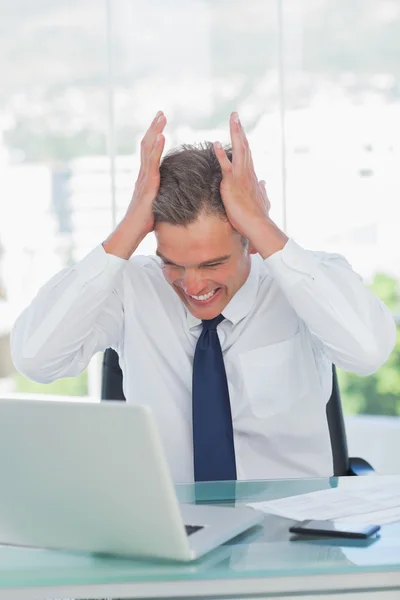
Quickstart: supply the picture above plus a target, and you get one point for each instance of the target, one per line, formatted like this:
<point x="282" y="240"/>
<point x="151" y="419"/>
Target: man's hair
<point x="190" y="178"/>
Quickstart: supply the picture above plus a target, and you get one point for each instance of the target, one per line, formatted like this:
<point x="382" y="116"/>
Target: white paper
<point x="371" y="499"/>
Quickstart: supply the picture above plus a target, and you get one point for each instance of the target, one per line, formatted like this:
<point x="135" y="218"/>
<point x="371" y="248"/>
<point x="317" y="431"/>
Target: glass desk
<point x="265" y="562"/>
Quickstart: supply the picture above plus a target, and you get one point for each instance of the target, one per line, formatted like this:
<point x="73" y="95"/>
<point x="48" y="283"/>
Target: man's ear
<point x="252" y="250"/>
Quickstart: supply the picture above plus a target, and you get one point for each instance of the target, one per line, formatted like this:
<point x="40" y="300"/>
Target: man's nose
<point x="192" y="283"/>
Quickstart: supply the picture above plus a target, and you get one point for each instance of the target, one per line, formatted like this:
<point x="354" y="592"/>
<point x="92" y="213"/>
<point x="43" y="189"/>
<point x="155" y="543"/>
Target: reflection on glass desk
<point x="266" y="560"/>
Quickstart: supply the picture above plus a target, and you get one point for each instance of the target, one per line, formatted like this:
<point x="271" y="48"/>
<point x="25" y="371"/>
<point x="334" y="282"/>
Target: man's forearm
<point x="267" y="238"/>
<point x="124" y="240"/>
<point x="75" y="314"/>
<point x="355" y="328"/>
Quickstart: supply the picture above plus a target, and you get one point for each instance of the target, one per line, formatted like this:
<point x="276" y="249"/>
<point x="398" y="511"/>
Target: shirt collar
<point x="240" y="305"/>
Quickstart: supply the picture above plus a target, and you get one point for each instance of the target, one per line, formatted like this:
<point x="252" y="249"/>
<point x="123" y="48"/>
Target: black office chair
<point x="342" y="464"/>
<point x="111" y="389"/>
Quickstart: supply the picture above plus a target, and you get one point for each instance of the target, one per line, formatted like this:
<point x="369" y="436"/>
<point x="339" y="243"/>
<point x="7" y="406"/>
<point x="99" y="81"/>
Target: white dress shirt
<point x="298" y="312"/>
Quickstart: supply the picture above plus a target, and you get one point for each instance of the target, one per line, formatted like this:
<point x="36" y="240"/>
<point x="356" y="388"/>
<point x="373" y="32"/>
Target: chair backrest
<point x="111" y="389"/>
<point x="111" y="377"/>
<point x="337" y="431"/>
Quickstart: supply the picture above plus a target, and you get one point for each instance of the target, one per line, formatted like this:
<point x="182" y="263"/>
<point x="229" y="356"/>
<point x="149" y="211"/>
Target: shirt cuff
<point x="292" y="264"/>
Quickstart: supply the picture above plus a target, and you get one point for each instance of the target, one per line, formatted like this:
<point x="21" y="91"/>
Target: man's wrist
<point x="123" y="241"/>
<point x="267" y="238"/>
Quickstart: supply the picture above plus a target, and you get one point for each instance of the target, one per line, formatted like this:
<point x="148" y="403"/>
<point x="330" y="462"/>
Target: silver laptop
<point x="93" y="477"/>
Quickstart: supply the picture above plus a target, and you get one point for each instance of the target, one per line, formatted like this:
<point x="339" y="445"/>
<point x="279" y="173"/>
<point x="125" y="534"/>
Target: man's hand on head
<point x="148" y="181"/>
<point x="139" y="220"/>
<point x="245" y="198"/>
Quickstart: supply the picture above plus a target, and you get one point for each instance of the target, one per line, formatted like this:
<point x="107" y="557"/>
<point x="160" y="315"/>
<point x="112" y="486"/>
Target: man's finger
<point x="155" y="156"/>
<point x="238" y="144"/>
<point x="149" y="140"/>
<point x="248" y="158"/>
<point x="263" y="187"/>
<point x="225" y="163"/>
<point x="157" y="126"/>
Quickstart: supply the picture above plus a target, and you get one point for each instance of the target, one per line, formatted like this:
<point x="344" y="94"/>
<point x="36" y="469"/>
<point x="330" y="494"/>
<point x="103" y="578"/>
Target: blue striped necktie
<point x="213" y="444"/>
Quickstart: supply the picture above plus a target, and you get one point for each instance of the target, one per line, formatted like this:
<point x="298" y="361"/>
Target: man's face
<point x="206" y="263"/>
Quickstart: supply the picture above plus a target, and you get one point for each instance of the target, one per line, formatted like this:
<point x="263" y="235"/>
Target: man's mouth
<point x="203" y="299"/>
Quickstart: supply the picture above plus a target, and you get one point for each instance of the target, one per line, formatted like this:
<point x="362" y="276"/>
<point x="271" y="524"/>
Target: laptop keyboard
<point x="192" y="528"/>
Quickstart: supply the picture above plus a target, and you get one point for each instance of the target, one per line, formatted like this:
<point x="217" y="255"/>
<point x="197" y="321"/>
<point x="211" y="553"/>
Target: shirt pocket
<point x="274" y="376"/>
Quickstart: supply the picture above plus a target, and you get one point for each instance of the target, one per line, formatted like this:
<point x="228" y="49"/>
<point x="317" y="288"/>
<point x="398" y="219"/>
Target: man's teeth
<point x="204" y="296"/>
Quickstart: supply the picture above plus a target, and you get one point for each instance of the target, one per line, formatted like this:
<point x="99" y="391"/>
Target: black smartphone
<point x="334" y="529"/>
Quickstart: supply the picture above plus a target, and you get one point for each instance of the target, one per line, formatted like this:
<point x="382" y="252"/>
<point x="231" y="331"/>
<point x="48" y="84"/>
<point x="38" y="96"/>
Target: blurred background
<point x="317" y="87"/>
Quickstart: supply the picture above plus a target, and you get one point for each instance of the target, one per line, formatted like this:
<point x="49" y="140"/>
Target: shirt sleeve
<point x="356" y="330"/>
<point x="77" y="313"/>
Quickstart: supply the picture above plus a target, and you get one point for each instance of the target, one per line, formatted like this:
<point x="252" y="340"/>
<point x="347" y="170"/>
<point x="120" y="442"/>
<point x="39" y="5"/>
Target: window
<point x="342" y="101"/>
<point x="53" y="113"/>
<point x="320" y="101"/>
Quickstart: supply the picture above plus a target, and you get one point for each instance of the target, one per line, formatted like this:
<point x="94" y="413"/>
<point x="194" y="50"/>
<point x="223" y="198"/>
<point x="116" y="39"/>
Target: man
<point x="229" y="334"/>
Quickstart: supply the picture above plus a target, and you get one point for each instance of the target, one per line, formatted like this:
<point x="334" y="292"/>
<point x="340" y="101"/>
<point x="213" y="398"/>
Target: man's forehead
<point x="206" y="240"/>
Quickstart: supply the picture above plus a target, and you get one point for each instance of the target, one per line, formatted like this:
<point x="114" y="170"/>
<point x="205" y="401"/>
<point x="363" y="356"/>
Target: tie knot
<point x="212" y="323"/>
